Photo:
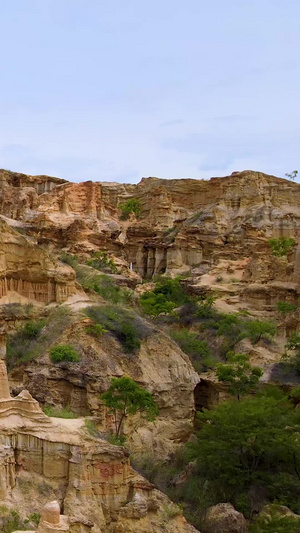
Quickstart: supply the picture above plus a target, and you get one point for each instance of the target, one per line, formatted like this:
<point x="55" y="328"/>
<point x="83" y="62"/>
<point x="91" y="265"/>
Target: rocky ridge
<point x="217" y="233"/>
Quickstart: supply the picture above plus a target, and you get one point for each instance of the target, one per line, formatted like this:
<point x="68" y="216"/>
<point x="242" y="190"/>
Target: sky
<point x="117" y="90"/>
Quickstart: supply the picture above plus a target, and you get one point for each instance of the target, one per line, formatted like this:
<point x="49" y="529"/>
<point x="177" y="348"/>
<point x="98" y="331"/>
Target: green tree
<point x="259" y="329"/>
<point x="282" y="246"/>
<point x="247" y="444"/>
<point x="125" y="397"/>
<point x="240" y="376"/>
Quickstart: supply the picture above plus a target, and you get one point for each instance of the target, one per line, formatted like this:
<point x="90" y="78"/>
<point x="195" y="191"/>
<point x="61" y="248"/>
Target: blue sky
<point x="120" y="89"/>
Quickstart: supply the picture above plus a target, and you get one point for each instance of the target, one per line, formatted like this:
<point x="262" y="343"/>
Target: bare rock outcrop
<point x="184" y="224"/>
<point x="91" y="479"/>
<point x="159" y="366"/>
<point x="28" y="270"/>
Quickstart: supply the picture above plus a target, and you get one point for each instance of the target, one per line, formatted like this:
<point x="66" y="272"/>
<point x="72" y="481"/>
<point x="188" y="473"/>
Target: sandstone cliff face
<point x="26" y="269"/>
<point x="91" y="480"/>
<point x="218" y="232"/>
<point x="159" y="366"/>
<point x="183" y="223"/>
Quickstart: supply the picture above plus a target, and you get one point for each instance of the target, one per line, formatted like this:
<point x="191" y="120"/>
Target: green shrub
<point x="33" y="328"/>
<point x="91" y="427"/>
<point x="132" y="205"/>
<point x="65" y="412"/>
<point x="167" y="294"/>
<point x="238" y="374"/>
<point x="259" y="329"/>
<point x="190" y="343"/>
<point x="273" y="521"/>
<point x="25" y="345"/>
<point x="248" y="444"/>
<point x="295" y="394"/>
<point x="64" y="352"/>
<point x="292" y="352"/>
<point x="197" y="349"/>
<point x="282" y="246"/>
<point x="35" y="518"/>
<point x="13" y="522"/>
<point x="117" y="440"/>
<point x="20" y="345"/>
<point x="97" y="330"/>
<point x="101" y="260"/>
<point x="154" y="305"/>
<point x="124" y="398"/>
<point x="110" y="291"/>
<point x="69" y="259"/>
<point x="197" y="311"/>
<point x="126" y="326"/>
<point x="102" y="285"/>
<point x="232" y="328"/>
<point x="285" y="307"/>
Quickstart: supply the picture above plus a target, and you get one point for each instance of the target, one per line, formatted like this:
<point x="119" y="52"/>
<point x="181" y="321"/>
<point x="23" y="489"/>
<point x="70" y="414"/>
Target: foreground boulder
<point x="223" y="518"/>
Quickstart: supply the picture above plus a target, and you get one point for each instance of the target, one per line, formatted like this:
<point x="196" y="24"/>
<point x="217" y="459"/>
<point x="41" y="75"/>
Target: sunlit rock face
<point x="183" y="223"/>
<point x="216" y="232"/>
<point x="92" y="480"/>
<point x="27" y="270"/>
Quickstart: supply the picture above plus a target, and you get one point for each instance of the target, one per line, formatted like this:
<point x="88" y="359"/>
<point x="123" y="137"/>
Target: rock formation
<point x="160" y="366"/>
<point x="218" y="232"/>
<point x="184" y="224"/>
<point x="91" y="479"/>
<point x="223" y="518"/>
<point x="27" y="269"/>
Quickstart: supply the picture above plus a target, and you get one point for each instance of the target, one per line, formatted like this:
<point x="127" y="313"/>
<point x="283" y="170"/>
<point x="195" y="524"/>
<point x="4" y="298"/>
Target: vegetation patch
<point x="197" y="349"/>
<point x="238" y="374"/>
<point x="282" y="246"/>
<point x="102" y="284"/>
<point x="131" y="206"/>
<point x="128" y="328"/>
<point x="91" y="427"/>
<point x="245" y="452"/>
<point x="291" y="356"/>
<point x="64" y="352"/>
<point x="125" y="397"/>
<point x="56" y="412"/>
<point x="97" y="330"/>
<point x="36" y="337"/>
<point x="12" y="521"/>
<point x="286" y="307"/>
<point x="165" y="297"/>
<point x="102" y="261"/>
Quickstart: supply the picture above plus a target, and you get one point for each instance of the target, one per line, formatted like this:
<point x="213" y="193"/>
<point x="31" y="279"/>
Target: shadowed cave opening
<point x="206" y="395"/>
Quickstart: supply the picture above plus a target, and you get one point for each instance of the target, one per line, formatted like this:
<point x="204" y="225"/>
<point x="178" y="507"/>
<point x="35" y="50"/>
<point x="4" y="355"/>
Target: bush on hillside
<point x="167" y="294"/>
<point x="36" y="337"/>
<point x="101" y="261"/>
<point x="131" y="206"/>
<point x="291" y="355"/>
<point x="197" y="349"/>
<point x="282" y="246"/>
<point x="64" y="352"/>
<point x="125" y="325"/>
<point x="286" y="307"/>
